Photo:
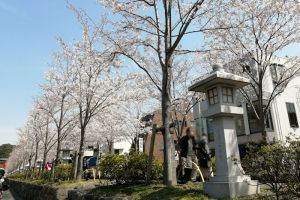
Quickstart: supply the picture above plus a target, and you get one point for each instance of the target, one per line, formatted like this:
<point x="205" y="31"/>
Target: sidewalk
<point x="8" y="195"/>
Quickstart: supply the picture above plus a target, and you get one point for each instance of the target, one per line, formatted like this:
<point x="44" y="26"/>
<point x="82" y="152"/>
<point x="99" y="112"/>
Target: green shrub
<point x="276" y="165"/>
<point x="213" y="164"/>
<point x="157" y="170"/>
<point x="63" y="172"/>
<point x="112" y="167"/>
<point x="32" y="173"/>
<point x="16" y="176"/>
<point x="45" y="175"/>
<point x="292" y="167"/>
<point x="136" y="166"/>
<point x="129" y="168"/>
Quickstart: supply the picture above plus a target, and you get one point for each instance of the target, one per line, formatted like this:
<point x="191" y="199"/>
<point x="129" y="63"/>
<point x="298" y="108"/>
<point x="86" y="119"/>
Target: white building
<point x="283" y="117"/>
<point x="121" y="147"/>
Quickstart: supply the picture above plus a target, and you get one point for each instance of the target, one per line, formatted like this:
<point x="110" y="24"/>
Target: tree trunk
<point x="59" y="129"/>
<point x="262" y="114"/>
<point x="29" y="167"/>
<point x="80" y="156"/>
<point x="58" y="145"/>
<point x="74" y="166"/>
<point x="45" y="146"/>
<point x="55" y="163"/>
<point x="35" y="158"/>
<point x="110" y="146"/>
<point x="20" y="167"/>
<point x="24" y="165"/>
<point x="44" y="159"/>
<point x="169" y="158"/>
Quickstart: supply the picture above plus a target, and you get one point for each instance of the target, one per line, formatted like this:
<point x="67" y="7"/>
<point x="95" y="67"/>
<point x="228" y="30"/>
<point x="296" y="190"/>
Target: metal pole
<point x="75" y="165"/>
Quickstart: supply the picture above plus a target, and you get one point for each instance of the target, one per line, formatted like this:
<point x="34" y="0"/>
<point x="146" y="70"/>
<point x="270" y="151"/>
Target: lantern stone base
<point x="231" y="189"/>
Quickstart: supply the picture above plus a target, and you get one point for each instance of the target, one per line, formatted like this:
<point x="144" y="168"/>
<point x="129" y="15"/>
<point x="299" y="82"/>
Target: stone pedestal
<point x="230" y="189"/>
<point x="229" y="180"/>
<point x="220" y="88"/>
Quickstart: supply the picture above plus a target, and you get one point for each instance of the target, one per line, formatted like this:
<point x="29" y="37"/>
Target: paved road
<point x="7" y="195"/>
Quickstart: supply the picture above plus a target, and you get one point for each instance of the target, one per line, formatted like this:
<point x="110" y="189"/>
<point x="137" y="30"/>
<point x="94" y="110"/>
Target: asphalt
<point x="8" y="195"/>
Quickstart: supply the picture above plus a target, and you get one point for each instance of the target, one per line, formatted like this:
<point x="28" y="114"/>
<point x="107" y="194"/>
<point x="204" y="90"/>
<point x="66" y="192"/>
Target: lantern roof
<point x="218" y="76"/>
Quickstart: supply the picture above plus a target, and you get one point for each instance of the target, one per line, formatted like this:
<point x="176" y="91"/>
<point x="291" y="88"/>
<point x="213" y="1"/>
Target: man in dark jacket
<point x="187" y="146"/>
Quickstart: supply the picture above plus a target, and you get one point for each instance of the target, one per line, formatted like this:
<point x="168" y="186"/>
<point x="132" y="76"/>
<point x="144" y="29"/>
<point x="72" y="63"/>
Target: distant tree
<point x="16" y="158"/>
<point x="56" y="100"/>
<point x="5" y="150"/>
<point x="94" y="84"/>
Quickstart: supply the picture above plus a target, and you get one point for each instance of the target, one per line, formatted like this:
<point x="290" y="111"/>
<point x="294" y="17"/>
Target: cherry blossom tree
<point x="260" y="30"/>
<point x="26" y="143"/>
<point x="184" y="100"/>
<point x="36" y="125"/>
<point x="110" y="130"/>
<point x="56" y="100"/>
<point x="16" y="158"/>
<point x="150" y="34"/>
<point x="94" y="85"/>
<point x="47" y="131"/>
<point x="142" y="101"/>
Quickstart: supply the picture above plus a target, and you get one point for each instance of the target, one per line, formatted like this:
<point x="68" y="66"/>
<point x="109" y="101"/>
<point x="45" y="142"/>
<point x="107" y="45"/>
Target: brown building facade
<point x="181" y="124"/>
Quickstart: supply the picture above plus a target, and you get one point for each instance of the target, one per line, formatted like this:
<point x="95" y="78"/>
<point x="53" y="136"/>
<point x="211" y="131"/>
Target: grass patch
<point x="189" y="191"/>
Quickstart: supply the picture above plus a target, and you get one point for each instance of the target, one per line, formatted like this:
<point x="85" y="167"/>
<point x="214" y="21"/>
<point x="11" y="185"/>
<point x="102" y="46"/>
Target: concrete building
<point x="282" y="119"/>
<point x="122" y="146"/>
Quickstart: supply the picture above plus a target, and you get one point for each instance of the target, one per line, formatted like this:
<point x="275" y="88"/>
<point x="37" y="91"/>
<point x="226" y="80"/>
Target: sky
<point x="28" y="31"/>
<point x="27" y="39"/>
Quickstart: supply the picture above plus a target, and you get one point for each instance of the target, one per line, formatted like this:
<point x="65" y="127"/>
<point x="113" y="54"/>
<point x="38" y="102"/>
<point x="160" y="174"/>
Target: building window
<point x="276" y="71"/>
<point x="227" y="95"/>
<point x="213" y="96"/>
<point x="254" y="123"/>
<point x="193" y="123"/>
<point x="117" y="151"/>
<point x="292" y="114"/>
<point x="269" y="123"/>
<point x="240" y="127"/>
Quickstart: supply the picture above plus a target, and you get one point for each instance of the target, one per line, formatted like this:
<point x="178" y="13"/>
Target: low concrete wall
<point x="34" y="191"/>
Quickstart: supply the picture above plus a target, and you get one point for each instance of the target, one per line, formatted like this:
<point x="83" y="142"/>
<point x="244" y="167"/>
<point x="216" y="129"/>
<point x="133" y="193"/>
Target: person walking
<point x="187" y="146"/>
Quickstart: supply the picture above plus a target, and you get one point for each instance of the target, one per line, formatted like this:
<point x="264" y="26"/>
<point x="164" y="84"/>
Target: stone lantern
<point x="220" y="88"/>
<point x="66" y="155"/>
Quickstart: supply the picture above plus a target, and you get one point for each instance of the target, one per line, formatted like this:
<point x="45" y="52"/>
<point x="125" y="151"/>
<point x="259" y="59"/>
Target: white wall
<point x="123" y="145"/>
<point x="281" y="119"/>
